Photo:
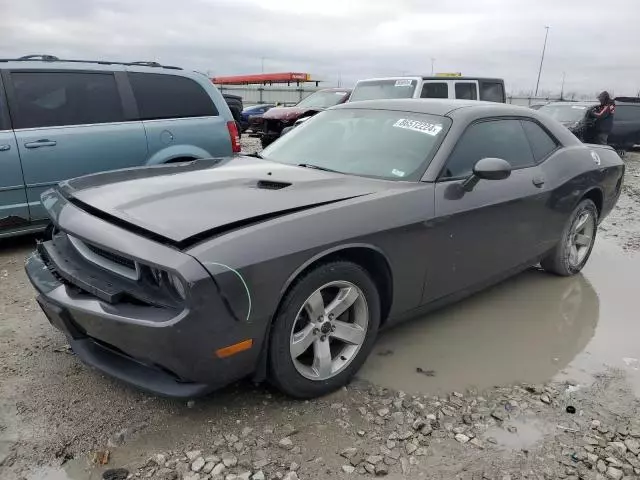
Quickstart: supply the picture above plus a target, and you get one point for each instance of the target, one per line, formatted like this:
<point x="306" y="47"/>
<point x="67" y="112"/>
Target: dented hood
<point x="181" y="201"/>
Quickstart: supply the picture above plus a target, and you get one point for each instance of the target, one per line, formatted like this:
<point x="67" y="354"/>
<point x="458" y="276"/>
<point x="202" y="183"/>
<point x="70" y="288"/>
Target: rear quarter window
<point x="542" y="144"/>
<point x="161" y="96"/>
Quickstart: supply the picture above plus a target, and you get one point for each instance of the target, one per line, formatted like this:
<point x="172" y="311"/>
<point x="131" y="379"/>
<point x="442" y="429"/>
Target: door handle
<point x="40" y="143"/>
<point x="4" y="148"/>
<point x="538" y="181"/>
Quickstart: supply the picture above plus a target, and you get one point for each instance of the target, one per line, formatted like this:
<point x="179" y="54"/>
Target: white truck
<point x="449" y="86"/>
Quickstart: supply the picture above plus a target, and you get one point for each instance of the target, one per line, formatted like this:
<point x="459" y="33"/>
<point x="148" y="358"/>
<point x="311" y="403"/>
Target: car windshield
<point x="565" y="113"/>
<point x="386" y="144"/>
<point x="323" y="99"/>
<point x="381" y="89"/>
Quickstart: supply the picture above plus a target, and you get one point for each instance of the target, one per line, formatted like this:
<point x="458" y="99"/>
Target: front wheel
<point x="578" y="237"/>
<point x="324" y="330"/>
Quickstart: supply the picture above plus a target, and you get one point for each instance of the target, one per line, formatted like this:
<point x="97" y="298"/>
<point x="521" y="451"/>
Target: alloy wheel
<point x="581" y="238"/>
<point x="329" y="330"/>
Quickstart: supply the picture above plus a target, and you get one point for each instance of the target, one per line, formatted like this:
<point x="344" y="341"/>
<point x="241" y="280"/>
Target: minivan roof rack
<point x="53" y="58"/>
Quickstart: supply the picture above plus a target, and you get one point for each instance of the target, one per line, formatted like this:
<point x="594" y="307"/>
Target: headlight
<point x="169" y="282"/>
<point x="178" y="286"/>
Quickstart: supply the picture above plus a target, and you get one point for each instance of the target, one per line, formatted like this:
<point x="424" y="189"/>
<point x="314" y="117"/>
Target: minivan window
<point x="4" y="112"/>
<point x="47" y="99"/>
<point x="435" y="90"/>
<point x="492" y="91"/>
<point x="161" y="96"/>
<point x="466" y="91"/>
<point x="383" y="89"/>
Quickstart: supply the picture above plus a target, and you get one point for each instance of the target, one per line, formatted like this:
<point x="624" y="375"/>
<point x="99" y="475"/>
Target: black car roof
<point x="440" y="107"/>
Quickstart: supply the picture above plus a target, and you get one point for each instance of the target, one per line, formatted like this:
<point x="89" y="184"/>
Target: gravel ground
<point x="59" y="419"/>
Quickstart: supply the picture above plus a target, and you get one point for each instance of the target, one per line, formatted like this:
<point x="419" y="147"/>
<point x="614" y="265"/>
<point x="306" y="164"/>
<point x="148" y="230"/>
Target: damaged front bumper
<point x="159" y="345"/>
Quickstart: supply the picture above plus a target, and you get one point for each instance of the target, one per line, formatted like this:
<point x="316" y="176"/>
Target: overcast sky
<point x="596" y="42"/>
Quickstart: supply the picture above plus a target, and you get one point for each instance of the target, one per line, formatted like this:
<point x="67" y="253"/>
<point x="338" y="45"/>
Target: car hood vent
<point x="271" y="185"/>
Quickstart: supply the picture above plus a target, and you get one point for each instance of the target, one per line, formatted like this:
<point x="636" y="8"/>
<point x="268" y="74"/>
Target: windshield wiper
<point x="254" y="154"/>
<point x="317" y="167"/>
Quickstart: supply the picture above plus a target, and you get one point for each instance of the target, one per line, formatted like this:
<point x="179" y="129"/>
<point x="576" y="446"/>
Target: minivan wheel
<point x="575" y="246"/>
<point x="324" y="330"/>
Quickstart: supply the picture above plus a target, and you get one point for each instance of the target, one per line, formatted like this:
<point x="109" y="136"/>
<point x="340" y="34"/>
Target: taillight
<point x="235" y="136"/>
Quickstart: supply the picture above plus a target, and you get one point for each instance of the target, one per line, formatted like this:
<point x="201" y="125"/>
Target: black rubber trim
<point x="59" y="318"/>
<point x="129" y="370"/>
<point x="75" y="274"/>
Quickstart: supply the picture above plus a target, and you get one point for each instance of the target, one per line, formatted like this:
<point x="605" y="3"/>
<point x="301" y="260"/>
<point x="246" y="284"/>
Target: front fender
<point x="325" y="253"/>
<point x="178" y="151"/>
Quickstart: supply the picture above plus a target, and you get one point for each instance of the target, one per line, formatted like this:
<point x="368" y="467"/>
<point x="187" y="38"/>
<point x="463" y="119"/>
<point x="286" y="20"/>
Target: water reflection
<point x="526" y="329"/>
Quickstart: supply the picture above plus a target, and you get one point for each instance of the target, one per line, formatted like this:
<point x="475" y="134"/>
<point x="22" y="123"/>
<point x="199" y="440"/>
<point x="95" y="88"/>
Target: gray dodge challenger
<point x="284" y="266"/>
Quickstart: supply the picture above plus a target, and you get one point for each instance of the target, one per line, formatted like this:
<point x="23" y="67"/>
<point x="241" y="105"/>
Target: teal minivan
<point x="61" y="119"/>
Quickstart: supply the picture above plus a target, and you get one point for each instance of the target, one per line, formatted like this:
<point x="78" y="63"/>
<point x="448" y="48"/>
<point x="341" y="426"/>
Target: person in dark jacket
<point x="604" y="117"/>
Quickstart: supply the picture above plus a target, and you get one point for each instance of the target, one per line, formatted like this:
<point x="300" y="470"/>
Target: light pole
<point x="562" y="88"/>
<point x="544" y="47"/>
<point x="433" y="60"/>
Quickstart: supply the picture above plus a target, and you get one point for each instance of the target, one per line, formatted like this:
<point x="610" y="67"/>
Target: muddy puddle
<point x="531" y="328"/>
<point x="520" y="434"/>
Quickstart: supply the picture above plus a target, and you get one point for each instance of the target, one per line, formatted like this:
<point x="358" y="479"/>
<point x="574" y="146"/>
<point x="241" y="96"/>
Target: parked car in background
<point x="278" y="118"/>
<point x="462" y="88"/>
<point x="577" y="118"/>
<point x="370" y="213"/>
<point x="251" y="117"/>
<point x="65" y="118"/>
<point x="234" y="102"/>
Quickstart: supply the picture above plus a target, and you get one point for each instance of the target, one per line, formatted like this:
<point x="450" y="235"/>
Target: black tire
<point x="557" y="261"/>
<point x="282" y="371"/>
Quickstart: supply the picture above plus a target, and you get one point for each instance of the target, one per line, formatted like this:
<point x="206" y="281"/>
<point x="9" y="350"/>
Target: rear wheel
<point x="324" y="331"/>
<point x="578" y="237"/>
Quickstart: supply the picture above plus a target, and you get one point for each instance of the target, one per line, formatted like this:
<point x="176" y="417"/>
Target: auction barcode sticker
<point x="418" y="126"/>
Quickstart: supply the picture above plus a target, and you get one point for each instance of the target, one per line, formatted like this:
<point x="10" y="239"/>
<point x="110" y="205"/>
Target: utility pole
<point x="562" y="88"/>
<point x="544" y="47"/>
<point x="433" y="60"/>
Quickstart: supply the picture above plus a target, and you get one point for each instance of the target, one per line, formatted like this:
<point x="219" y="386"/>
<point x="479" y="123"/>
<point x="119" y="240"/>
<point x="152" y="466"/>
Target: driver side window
<point x="503" y="139"/>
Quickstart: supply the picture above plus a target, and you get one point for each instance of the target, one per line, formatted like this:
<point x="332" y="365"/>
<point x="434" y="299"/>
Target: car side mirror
<point x="487" y="169"/>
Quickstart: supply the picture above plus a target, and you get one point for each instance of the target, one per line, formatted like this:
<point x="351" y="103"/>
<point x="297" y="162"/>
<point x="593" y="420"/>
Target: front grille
<point x="125" y="262"/>
<point x="105" y="259"/>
